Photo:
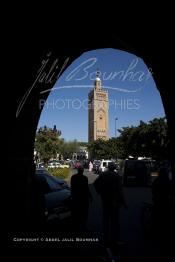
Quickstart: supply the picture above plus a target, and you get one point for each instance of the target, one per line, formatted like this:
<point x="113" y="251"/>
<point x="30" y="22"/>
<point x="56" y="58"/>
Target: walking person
<point x="90" y="166"/>
<point x="80" y="199"/>
<point x="163" y="213"/>
<point x="108" y="185"/>
<point x="160" y="192"/>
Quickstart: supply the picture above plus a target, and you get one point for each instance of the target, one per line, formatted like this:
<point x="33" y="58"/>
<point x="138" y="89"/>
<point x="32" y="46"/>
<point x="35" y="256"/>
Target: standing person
<point x="163" y="212"/>
<point x="80" y="199"/>
<point x="108" y="186"/>
<point x="90" y="166"/>
<point x="160" y="191"/>
<point x="161" y="186"/>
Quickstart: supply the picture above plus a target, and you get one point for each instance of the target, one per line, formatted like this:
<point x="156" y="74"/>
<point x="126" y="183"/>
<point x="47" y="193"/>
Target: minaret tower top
<point x="98" y="81"/>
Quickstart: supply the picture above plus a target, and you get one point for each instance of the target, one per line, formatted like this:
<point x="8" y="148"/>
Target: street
<point x="133" y="247"/>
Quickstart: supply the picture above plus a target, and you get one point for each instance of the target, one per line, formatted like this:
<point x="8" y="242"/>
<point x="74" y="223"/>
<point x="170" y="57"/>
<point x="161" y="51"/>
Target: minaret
<point x="97" y="82"/>
<point x="98" y="112"/>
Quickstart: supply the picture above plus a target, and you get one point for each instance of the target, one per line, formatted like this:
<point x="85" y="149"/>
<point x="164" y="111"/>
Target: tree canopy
<point x="147" y="140"/>
<point x="48" y="144"/>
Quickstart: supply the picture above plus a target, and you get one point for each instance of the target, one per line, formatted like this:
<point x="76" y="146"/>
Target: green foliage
<point x="68" y="148"/>
<point x="147" y="139"/>
<point x="97" y="149"/>
<point x="110" y="149"/>
<point x="62" y="173"/>
<point x="47" y="142"/>
<point x="82" y="144"/>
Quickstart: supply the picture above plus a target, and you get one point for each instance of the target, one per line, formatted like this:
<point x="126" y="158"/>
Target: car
<point x="40" y="164"/>
<point x="68" y="162"/>
<point x="64" y="166"/>
<point x="58" y="200"/>
<point x="104" y="165"/>
<point x="136" y="172"/>
<point x="53" y="164"/>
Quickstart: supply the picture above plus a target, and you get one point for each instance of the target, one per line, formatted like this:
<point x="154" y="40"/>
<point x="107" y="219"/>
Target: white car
<point x="54" y="164"/>
<point x="104" y="165"/>
<point x="64" y="166"/>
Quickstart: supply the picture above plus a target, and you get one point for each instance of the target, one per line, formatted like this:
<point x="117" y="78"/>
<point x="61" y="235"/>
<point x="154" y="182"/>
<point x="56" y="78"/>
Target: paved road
<point x="135" y="247"/>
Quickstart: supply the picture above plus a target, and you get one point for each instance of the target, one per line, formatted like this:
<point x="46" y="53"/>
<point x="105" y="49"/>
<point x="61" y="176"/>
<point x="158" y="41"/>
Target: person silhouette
<point x="90" y="166"/>
<point x="160" y="192"/>
<point x="80" y="199"/>
<point x="161" y="186"/>
<point x="163" y="212"/>
<point x="108" y="185"/>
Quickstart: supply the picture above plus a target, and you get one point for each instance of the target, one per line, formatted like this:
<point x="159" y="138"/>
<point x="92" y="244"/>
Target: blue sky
<point x="131" y="89"/>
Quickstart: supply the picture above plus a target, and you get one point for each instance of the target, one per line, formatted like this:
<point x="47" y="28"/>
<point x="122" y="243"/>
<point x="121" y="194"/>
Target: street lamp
<point x="115" y="127"/>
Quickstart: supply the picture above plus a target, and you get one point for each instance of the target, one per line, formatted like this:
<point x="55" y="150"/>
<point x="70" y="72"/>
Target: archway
<point x="129" y="83"/>
<point x="22" y="149"/>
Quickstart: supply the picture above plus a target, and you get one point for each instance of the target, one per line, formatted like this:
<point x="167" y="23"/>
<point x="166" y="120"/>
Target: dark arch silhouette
<point x="32" y="51"/>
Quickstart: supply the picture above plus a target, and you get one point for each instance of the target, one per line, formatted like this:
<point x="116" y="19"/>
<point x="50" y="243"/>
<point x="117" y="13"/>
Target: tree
<point x="97" y="149"/>
<point x="101" y="149"/>
<point x="147" y="140"/>
<point x="85" y="144"/>
<point x="47" y="142"/>
<point x="68" y="148"/>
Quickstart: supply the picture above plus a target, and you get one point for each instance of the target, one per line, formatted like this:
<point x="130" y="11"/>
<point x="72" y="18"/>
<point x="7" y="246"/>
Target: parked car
<point x="136" y="172"/>
<point x="64" y="166"/>
<point x="40" y="164"/>
<point x="58" y="201"/>
<point x="104" y="165"/>
<point x="53" y="164"/>
<point x="68" y="162"/>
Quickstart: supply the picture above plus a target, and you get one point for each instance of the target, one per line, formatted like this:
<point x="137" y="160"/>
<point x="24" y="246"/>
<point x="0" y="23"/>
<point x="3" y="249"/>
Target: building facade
<point x="98" y="112"/>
